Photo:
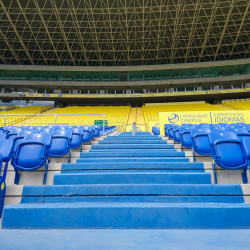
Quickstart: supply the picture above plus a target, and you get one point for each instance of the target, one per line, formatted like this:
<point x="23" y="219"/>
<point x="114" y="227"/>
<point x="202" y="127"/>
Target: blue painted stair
<point x="130" y="182"/>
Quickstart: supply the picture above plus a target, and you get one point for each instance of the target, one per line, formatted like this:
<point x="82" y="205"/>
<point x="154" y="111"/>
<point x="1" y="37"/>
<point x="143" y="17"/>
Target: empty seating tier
<point x="18" y="115"/>
<point x="244" y="105"/>
<point x="151" y="112"/>
<point x="115" y="116"/>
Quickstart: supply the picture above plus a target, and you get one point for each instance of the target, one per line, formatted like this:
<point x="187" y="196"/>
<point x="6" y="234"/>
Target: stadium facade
<point x="99" y="51"/>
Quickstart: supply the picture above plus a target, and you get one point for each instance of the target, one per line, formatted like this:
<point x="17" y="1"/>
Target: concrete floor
<point x="123" y="239"/>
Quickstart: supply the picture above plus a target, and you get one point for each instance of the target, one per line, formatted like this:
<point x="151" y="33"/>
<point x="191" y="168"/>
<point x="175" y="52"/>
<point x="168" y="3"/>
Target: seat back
<point x="200" y="141"/>
<point x="7" y="129"/>
<point x="93" y="132"/>
<point x="186" y="140"/>
<point x="177" y="135"/>
<point x="19" y="138"/>
<point x="61" y="128"/>
<point x="86" y="134"/>
<point x="166" y="129"/>
<point x="217" y="128"/>
<point x="97" y="130"/>
<point x="29" y="155"/>
<point x="43" y="137"/>
<point x="3" y="135"/>
<point x="61" y="142"/>
<point x="240" y="132"/>
<point x="13" y="133"/>
<point x="76" y="138"/>
<point x="6" y="148"/>
<point x="171" y="131"/>
<point x="48" y="129"/>
<point x="227" y="150"/>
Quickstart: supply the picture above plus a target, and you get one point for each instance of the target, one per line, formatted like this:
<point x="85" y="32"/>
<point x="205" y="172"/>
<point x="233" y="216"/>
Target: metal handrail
<point x="5" y="115"/>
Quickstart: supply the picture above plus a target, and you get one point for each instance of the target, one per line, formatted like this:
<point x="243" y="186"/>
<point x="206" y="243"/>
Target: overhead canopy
<point x="122" y="32"/>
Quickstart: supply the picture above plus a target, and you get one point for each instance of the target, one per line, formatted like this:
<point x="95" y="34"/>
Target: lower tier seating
<point x="227" y="144"/>
<point x="127" y="181"/>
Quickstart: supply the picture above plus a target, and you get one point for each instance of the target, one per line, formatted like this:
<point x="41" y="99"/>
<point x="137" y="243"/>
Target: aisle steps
<point x="123" y="183"/>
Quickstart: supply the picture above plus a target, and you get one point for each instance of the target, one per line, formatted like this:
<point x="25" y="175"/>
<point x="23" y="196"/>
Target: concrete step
<point x="132" y="146"/>
<point x="133" y="193"/>
<point x="131" y="150"/>
<point x="133" y="142"/>
<point x="126" y="215"/>
<point x="149" y="177"/>
<point x="196" y="166"/>
<point x="133" y="153"/>
<point x="130" y="138"/>
<point x="132" y="159"/>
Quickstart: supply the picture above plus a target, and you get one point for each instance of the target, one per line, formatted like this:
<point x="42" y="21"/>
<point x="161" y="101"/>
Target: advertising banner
<point x="197" y="117"/>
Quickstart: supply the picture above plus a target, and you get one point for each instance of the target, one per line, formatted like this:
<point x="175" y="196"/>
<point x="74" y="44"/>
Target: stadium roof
<point x="123" y="32"/>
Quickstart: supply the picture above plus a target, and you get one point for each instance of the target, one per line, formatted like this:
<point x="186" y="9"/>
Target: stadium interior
<point x="131" y="118"/>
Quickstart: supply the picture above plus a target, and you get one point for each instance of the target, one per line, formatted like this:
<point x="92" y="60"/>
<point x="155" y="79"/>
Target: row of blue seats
<point x="29" y="148"/>
<point x="228" y="144"/>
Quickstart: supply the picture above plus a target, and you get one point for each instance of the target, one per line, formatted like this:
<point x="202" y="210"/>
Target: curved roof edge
<point x="125" y="68"/>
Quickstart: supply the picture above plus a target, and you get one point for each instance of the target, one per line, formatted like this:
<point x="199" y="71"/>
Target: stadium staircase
<point x="130" y="182"/>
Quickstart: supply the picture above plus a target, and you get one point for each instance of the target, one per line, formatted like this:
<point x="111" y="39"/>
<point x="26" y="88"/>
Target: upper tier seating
<point x="115" y="115"/>
<point x="151" y="113"/>
<point x="244" y="105"/>
<point x="16" y="114"/>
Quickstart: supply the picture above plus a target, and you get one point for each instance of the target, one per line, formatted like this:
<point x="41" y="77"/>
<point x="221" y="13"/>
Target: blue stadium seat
<point x="227" y="152"/>
<point x="246" y="146"/>
<point x="171" y="131"/>
<point x="7" y="129"/>
<point x="93" y="132"/>
<point x="13" y="133"/>
<point x="6" y="147"/>
<point x="86" y="134"/>
<point x="48" y="129"/>
<point x="61" y="143"/>
<point x="76" y="138"/>
<point x="31" y="154"/>
<point x="223" y="124"/>
<point x="61" y="128"/>
<point x="97" y="130"/>
<point x="217" y="128"/>
<point x="156" y="130"/>
<point x="177" y="135"/>
<point x="19" y="138"/>
<point x="205" y="124"/>
<point x="240" y="132"/>
<point x="200" y="141"/>
<point x="166" y="129"/>
<point x="101" y="131"/>
<point x="3" y="135"/>
<point x="228" y="126"/>
<point x="186" y="140"/>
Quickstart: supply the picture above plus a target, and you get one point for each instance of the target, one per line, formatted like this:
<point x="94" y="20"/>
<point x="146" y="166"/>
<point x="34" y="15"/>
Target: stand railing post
<point x="4" y="120"/>
<point x="55" y="119"/>
<point x="103" y="124"/>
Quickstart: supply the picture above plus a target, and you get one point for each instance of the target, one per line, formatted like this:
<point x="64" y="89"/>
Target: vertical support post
<point x="55" y="119"/>
<point x="134" y="128"/>
<point x="4" y="120"/>
<point x="103" y="124"/>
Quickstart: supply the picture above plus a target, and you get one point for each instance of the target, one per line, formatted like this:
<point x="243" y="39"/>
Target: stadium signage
<point x="196" y="117"/>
